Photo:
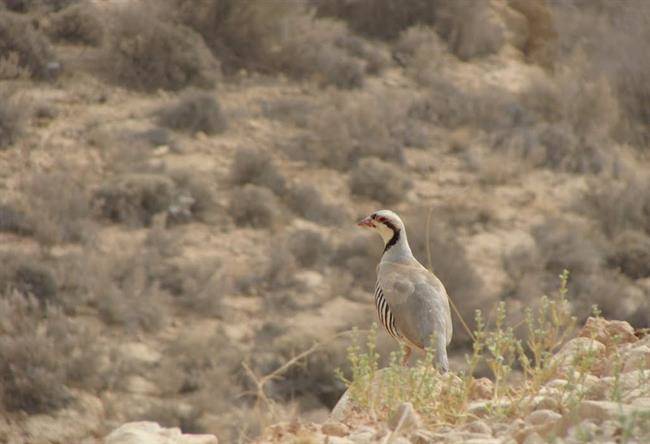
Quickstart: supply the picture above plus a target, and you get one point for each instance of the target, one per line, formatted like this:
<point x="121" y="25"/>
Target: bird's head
<point x="385" y="222"/>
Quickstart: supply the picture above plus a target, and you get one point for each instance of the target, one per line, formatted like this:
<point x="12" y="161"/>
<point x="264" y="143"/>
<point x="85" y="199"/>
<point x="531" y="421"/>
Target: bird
<point x="412" y="303"/>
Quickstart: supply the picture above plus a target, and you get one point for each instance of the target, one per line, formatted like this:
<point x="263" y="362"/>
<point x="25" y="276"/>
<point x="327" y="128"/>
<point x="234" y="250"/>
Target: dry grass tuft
<point x="195" y="111"/>
<point x="307" y="201"/>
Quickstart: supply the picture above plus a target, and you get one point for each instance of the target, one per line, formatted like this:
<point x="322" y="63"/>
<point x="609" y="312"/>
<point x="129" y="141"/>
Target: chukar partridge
<point x="411" y="301"/>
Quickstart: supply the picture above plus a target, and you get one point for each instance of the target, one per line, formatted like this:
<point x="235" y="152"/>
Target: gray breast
<point x="385" y="315"/>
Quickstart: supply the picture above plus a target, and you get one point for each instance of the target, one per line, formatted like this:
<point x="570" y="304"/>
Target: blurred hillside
<point x="180" y="182"/>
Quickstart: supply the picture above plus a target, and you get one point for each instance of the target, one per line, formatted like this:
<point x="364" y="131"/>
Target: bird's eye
<point x="381" y="219"/>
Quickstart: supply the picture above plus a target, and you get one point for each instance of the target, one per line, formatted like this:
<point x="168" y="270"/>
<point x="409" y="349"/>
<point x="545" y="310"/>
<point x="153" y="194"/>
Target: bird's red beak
<point x="367" y="222"/>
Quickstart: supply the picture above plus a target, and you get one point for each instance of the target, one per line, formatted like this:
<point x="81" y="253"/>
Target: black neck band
<point x="393" y="240"/>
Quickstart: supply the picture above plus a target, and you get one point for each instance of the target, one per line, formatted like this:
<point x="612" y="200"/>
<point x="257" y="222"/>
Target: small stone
<point x="136" y="384"/>
<point x="335" y="429"/>
<point x="363" y="435"/>
<point x="405" y="418"/>
<point x="153" y="433"/>
<point x="482" y="388"/>
<point x="479" y="426"/>
<point x="140" y="352"/>
<point x="543" y="417"/>
<point x="637" y="358"/>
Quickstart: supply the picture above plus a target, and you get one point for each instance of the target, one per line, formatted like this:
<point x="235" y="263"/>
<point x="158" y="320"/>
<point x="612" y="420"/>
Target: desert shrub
<point x="27" y="46"/>
<point x="194" y="199"/>
<point x="135" y="198"/>
<point x="329" y="63"/>
<point x="470" y="29"/>
<point x="198" y="286"/>
<point x="145" y="53"/>
<point x="618" y="205"/>
<point x="383" y="19"/>
<point x="420" y="50"/>
<point x="57" y="204"/>
<point x="29" y="277"/>
<point x="565" y="244"/>
<point x="78" y="23"/>
<point x="42" y="354"/>
<point x="38" y="5"/>
<point x="129" y="297"/>
<point x="193" y="112"/>
<point x="307" y="201"/>
<point x="252" y="35"/>
<point x="379" y="180"/>
<point x="254" y="166"/>
<point x="358" y="255"/>
<point x="309" y="247"/>
<point x="254" y="206"/>
<point x="12" y="119"/>
<point x="351" y="128"/>
<point x="631" y="254"/>
<point x="14" y="220"/>
<point x="591" y="31"/>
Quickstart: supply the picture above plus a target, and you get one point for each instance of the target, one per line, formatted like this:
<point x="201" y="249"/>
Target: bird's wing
<point x="417" y="300"/>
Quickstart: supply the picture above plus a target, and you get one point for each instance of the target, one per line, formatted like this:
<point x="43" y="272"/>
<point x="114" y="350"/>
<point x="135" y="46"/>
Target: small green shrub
<point x="145" y="53"/>
<point x="29" y="47"/>
<point x="379" y="180"/>
<point x="193" y="112"/>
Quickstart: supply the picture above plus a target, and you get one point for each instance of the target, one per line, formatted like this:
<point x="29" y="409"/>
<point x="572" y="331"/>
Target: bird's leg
<point x="407" y="355"/>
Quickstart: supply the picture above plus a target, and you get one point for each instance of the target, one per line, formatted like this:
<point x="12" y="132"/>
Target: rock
<point x="483" y="408"/>
<point x="139" y="352"/>
<point x="534" y="438"/>
<point x="343" y="407"/>
<point x="609" y="333"/>
<point x="585" y="431"/>
<point x="482" y="388"/>
<point x="479" y="426"/>
<point x="578" y="349"/>
<point x="138" y="385"/>
<point x="151" y="433"/>
<point x="543" y="417"/>
<point x="599" y="411"/>
<point x="545" y="403"/>
<point x="637" y="358"/>
<point x="363" y="435"/>
<point x="332" y="428"/>
<point x="405" y="419"/>
<point x="308" y="280"/>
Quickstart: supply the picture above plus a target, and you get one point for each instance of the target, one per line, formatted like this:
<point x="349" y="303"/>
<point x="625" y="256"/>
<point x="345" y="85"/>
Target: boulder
<point x="609" y="333"/>
<point x="152" y="433"/>
<point x="579" y="350"/>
